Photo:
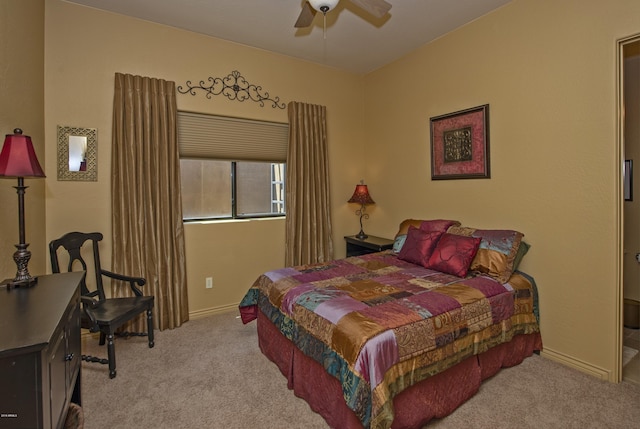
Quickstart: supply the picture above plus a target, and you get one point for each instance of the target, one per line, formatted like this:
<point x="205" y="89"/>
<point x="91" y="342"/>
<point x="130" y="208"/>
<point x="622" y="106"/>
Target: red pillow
<point x="419" y="245"/>
<point x="438" y="225"/>
<point x="453" y="254"/>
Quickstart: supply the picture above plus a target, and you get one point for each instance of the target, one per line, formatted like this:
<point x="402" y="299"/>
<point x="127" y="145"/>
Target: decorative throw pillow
<point x="399" y="242"/>
<point x="453" y="254"/>
<point x="497" y="252"/>
<point x="403" y="229"/>
<point x="522" y="250"/>
<point x="438" y="225"/>
<point x="427" y="225"/>
<point x="419" y="245"/>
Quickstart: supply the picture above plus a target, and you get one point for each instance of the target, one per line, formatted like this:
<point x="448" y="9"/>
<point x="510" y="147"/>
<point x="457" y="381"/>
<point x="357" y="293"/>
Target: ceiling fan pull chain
<point x="324" y="26"/>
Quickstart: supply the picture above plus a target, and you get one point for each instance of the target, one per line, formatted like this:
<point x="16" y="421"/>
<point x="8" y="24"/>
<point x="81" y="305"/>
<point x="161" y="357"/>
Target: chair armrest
<point x="140" y="281"/>
<point x="87" y="305"/>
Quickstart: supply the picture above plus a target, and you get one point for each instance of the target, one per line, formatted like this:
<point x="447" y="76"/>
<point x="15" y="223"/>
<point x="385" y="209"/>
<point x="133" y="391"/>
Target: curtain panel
<point x="308" y="223"/>
<point x="147" y="228"/>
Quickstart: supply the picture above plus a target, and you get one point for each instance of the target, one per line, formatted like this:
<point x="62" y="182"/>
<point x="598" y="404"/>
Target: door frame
<point x="620" y="148"/>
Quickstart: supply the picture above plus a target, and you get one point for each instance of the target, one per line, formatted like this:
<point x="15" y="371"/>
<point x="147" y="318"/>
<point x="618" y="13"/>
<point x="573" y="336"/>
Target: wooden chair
<point x="101" y="314"/>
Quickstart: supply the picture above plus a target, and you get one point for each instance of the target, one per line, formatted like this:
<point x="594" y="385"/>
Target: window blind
<point x="226" y="138"/>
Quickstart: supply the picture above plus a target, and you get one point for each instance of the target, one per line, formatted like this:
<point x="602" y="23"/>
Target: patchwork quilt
<point x="380" y="324"/>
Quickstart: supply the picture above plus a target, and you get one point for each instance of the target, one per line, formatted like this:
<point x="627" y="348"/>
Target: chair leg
<point x="111" y="352"/>
<point x="150" y="327"/>
<point x="102" y="337"/>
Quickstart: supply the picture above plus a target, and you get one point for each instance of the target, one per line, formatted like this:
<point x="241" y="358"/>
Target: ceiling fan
<point x="377" y="8"/>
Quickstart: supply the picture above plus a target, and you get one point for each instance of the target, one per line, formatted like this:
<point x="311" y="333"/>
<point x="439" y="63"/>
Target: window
<point x="259" y="188"/>
<point x="231" y="168"/>
<point x="211" y="187"/>
<point x="277" y="188"/>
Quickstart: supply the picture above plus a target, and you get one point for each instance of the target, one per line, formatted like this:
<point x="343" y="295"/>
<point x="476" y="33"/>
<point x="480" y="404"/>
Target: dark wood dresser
<point x="40" y="352"/>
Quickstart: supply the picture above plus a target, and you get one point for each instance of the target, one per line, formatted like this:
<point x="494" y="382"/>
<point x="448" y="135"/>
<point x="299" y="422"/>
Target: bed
<point x="396" y="338"/>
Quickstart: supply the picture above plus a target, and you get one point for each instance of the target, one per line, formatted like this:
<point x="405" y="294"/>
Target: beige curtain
<point x="308" y="225"/>
<point x="148" y="234"/>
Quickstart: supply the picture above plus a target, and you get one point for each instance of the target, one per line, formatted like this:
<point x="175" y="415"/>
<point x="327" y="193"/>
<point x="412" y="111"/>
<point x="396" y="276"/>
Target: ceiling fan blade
<point x="306" y="16"/>
<point x="377" y="8"/>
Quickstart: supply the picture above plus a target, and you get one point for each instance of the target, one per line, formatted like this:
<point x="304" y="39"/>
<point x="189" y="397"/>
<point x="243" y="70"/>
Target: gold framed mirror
<point x="77" y="154"/>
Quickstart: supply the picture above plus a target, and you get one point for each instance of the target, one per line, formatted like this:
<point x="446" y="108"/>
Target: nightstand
<point x="371" y="244"/>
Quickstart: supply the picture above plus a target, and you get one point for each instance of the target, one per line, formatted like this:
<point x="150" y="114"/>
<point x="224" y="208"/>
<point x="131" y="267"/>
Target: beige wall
<point x="548" y="70"/>
<point x="86" y="47"/>
<point x="21" y="106"/>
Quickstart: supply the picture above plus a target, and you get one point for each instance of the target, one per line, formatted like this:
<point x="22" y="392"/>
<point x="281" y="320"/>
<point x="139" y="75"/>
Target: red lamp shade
<point x="18" y="158"/>
<point x="361" y="195"/>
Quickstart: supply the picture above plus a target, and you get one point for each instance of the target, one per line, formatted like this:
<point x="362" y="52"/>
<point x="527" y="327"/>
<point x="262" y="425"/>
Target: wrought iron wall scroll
<point x="235" y="87"/>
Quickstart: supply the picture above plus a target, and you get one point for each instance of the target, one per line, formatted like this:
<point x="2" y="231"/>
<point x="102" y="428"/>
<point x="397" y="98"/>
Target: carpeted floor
<point x="209" y="373"/>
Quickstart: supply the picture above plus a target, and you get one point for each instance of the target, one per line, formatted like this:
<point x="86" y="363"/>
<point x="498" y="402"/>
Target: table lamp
<point x="362" y="197"/>
<point x="18" y="160"/>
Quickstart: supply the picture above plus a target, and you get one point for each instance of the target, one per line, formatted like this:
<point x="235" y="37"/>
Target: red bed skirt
<point x="435" y="397"/>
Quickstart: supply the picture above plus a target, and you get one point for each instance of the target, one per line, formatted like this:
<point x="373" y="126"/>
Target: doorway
<point x="629" y="128"/>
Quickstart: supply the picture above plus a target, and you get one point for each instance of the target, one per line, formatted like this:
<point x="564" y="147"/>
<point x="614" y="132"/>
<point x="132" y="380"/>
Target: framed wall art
<point x="77" y="154"/>
<point x="460" y="144"/>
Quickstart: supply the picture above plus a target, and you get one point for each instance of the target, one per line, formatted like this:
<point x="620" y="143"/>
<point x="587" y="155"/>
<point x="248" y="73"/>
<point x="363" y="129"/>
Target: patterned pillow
<point x="438" y="225"/>
<point x="399" y="242"/>
<point x="497" y="253"/>
<point x="522" y="250"/>
<point x="427" y="225"/>
<point x="453" y="254"/>
<point x="419" y="245"/>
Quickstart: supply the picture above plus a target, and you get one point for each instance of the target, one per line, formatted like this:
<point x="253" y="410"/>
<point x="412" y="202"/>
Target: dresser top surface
<point x="29" y="316"/>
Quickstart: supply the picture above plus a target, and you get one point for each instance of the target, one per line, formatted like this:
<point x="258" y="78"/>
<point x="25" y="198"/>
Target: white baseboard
<point x="582" y="366"/>
<point x="211" y="311"/>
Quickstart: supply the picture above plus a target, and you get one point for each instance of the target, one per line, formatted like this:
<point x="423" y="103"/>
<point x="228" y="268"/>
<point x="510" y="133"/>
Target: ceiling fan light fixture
<point x="323" y="6"/>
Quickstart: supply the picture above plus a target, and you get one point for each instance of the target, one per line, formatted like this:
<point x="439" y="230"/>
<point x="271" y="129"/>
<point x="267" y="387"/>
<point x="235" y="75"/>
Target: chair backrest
<point x="73" y="243"/>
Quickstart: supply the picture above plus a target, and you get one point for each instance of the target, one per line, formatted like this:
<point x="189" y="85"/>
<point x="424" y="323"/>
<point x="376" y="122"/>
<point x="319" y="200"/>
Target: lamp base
<point x="361" y="235"/>
<point x="24" y="283"/>
<point x="22" y="256"/>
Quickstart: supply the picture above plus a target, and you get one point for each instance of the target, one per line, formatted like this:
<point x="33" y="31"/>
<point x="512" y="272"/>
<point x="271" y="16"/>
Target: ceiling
<point x="353" y="41"/>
